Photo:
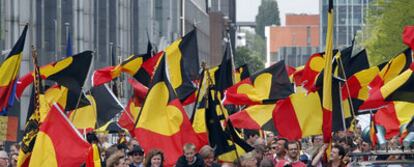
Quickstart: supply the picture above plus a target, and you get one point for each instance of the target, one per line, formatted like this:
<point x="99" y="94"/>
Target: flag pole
<point x="203" y="65"/>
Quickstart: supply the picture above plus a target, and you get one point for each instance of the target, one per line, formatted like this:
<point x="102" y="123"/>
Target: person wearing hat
<point x="137" y="156"/>
<point x="4" y="159"/>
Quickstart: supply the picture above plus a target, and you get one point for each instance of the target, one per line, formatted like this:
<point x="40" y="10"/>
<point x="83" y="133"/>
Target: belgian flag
<point x="394" y="115"/>
<point x="104" y="106"/>
<point x="69" y="72"/>
<point x="58" y="143"/>
<point x="129" y="115"/>
<point x="257" y="117"/>
<point x="163" y="109"/>
<point x="183" y="65"/>
<point x="392" y="68"/>
<point x="9" y="71"/>
<point x="311" y="70"/>
<point x="298" y="116"/>
<point x="141" y="67"/>
<point x="264" y="87"/>
<point x="327" y="79"/>
<point x="398" y="89"/>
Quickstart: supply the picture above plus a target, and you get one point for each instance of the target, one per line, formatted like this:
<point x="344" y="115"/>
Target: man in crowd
<point x="4" y="159"/>
<point x="337" y="154"/>
<point x="280" y="150"/>
<point x="137" y="156"/>
<point x="293" y="156"/>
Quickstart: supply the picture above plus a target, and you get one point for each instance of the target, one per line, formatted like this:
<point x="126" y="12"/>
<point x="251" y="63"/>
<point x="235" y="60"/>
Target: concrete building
<point x="103" y="25"/>
<point x="348" y="20"/>
<point x="294" y="42"/>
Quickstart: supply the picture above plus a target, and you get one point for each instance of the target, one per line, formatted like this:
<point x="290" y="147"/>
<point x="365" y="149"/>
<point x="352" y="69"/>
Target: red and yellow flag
<point x="299" y="115"/>
<point x="141" y="67"/>
<point x="264" y="87"/>
<point x="311" y="71"/>
<point x="94" y="157"/>
<point x="163" y="118"/>
<point x="253" y="117"/>
<point x="58" y="143"/>
<point x="398" y="89"/>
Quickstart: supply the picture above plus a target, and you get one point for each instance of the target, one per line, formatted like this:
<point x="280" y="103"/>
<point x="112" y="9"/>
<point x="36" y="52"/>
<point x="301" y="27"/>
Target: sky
<point x="247" y="9"/>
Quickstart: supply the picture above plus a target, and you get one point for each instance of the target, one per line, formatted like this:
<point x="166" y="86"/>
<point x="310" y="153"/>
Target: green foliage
<point x="268" y="15"/>
<point x="257" y="45"/>
<point x="244" y="56"/>
<point x="385" y="23"/>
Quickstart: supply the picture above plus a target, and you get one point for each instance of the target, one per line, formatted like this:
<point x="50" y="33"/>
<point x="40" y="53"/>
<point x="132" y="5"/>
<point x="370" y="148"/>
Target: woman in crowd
<point x="155" y="158"/>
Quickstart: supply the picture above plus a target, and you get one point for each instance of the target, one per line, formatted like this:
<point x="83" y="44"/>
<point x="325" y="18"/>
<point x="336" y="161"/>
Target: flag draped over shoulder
<point x="162" y="122"/>
<point x="264" y="87"/>
<point x="327" y="79"/>
<point x="58" y="143"/>
<point x="69" y="72"/>
<point x="9" y="71"/>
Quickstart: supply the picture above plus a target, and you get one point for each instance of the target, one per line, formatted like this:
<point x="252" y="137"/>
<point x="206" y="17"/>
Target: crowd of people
<point x="269" y="151"/>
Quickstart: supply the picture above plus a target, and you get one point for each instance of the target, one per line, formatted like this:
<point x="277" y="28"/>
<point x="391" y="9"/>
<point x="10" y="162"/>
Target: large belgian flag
<point x="299" y="115"/>
<point x="70" y="72"/>
<point x="9" y="71"/>
<point x="163" y="118"/>
<point x="58" y="143"/>
<point x="264" y="87"/>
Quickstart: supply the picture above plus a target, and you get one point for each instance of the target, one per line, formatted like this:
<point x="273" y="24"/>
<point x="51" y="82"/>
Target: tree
<point x="385" y="23"/>
<point x="244" y="56"/>
<point x="257" y="45"/>
<point x="268" y="15"/>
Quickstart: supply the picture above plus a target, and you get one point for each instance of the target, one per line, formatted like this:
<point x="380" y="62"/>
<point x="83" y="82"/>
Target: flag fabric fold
<point x="264" y="87"/>
<point x="58" y="143"/>
<point x="163" y="118"/>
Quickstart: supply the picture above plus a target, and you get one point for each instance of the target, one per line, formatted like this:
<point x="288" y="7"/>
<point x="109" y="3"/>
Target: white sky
<point x="247" y="9"/>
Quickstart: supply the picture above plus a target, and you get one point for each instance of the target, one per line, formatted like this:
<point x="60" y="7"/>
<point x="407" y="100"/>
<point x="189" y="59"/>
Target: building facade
<point x="348" y="20"/>
<point x="294" y="42"/>
<point x="103" y="26"/>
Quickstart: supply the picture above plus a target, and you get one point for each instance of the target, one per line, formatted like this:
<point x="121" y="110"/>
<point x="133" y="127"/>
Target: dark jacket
<point x="182" y="162"/>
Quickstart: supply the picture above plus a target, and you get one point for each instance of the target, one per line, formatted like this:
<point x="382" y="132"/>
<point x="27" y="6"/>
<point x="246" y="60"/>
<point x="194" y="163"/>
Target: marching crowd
<point x="269" y="151"/>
